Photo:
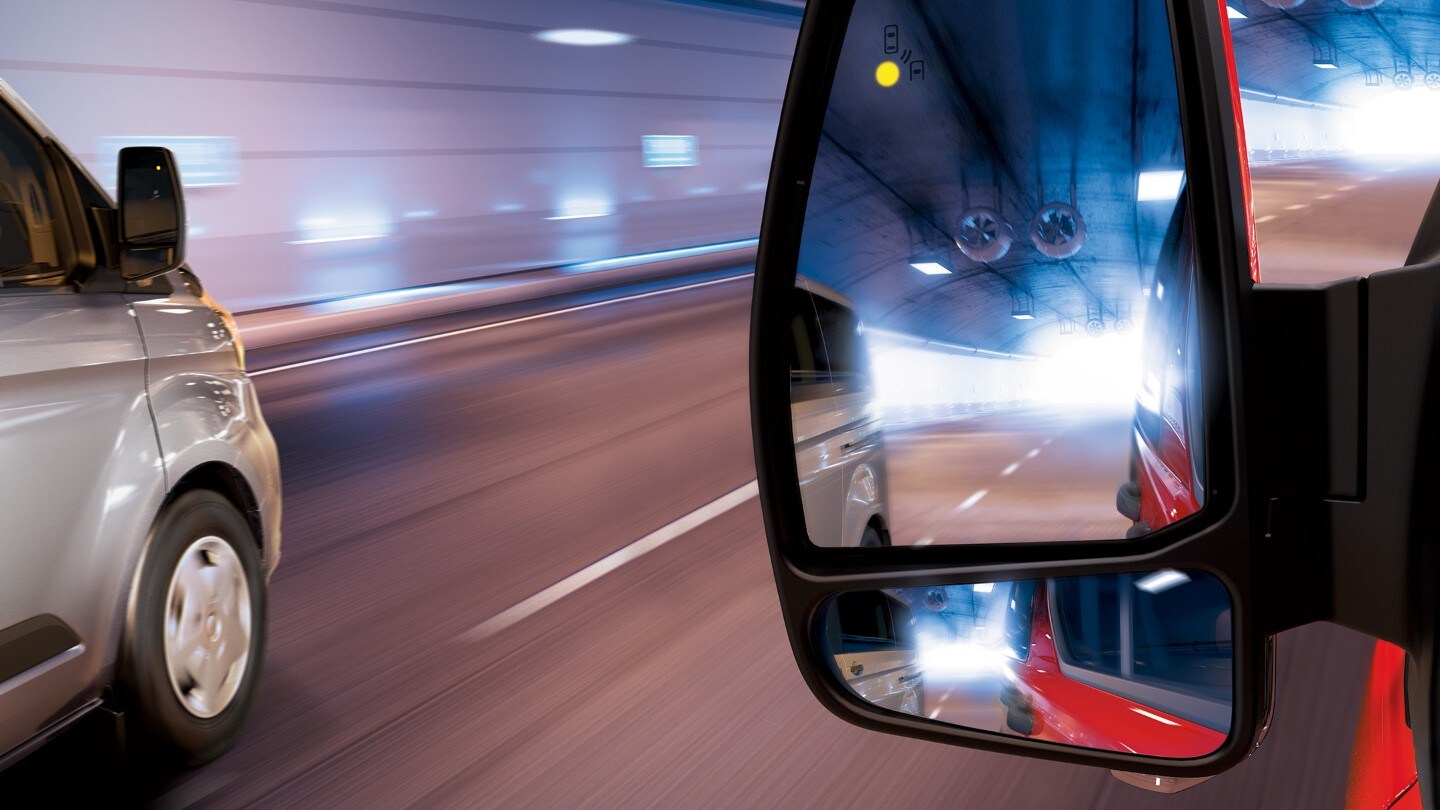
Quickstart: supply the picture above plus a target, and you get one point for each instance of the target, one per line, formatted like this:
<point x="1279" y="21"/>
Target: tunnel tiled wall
<point x="405" y="142"/>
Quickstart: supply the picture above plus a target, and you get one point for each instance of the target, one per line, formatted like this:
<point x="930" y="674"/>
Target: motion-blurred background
<point x="571" y="190"/>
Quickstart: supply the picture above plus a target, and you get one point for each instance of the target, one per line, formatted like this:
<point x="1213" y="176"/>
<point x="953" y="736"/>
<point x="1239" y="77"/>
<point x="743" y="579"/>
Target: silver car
<point x="839" y="446"/>
<point x="139" y="485"/>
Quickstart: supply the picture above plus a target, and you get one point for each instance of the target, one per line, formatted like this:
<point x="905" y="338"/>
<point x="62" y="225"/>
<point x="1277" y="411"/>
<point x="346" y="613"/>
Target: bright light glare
<point x="918" y="378"/>
<point x="1102" y="370"/>
<point x="1159" y="186"/>
<point x="583" y="208"/>
<point x="931" y="268"/>
<point x="1154" y="716"/>
<point x="1397" y="123"/>
<point x="1234" y="13"/>
<point x="1161" y="581"/>
<point x="351" y="238"/>
<point x="960" y="659"/>
<point x="357" y="224"/>
<point x="588" y="37"/>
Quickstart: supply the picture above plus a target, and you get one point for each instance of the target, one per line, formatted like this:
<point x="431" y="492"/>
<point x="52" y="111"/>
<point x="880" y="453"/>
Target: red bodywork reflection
<point x="1066" y="711"/>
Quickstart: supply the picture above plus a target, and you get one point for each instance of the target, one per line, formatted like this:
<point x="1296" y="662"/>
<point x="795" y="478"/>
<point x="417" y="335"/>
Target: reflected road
<point x="1027" y="474"/>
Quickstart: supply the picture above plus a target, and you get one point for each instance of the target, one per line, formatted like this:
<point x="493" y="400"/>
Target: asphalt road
<point x="434" y="487"/>
<point x="1021" y="474"/>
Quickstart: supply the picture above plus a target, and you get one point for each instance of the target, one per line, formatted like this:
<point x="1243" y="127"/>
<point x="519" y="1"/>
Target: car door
<point x="817" y="425"/>
<point x="860" y="441"/>
<point x="77" y="447"/>
<point x="878" y="656"/>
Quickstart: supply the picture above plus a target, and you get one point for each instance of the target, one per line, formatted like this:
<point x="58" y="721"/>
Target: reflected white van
<point x="839" y="446"/>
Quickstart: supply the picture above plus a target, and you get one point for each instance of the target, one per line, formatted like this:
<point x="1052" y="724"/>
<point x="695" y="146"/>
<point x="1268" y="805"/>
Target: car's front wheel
<point x="195" y="641"/>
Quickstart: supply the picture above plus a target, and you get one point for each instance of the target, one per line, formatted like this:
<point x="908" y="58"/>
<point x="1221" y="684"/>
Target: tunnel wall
<point x="1286" y="132"/>
<point x="427" y="141"/>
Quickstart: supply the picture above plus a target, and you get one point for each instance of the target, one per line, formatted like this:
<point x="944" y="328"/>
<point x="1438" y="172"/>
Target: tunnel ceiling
<point x="1045" y="96"/>
<point x="1276" y="49"/>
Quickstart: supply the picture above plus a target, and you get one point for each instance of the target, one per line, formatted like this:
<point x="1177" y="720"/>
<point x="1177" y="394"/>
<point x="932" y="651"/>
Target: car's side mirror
<point x="995" y="361"/>
<point x="151" y="222"/>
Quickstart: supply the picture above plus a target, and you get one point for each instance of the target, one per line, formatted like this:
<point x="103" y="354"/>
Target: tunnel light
<point x="931" y="268"/>
<point x="984" y="587"/>
<point x="324" y="239"/>
<point x="1161" y="186"/>
<point x="1326" y="64"/>
<point x="587" y="207"/>
<point x="353" y="226"/>
<point x="585" y="37"/>
<point x="1234" y="13"/>
<point x="1161" y="581"/>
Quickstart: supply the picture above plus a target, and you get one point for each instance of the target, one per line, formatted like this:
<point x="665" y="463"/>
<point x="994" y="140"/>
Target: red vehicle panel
<point x="1060" y="709"/>
<point x="1382" y="763"/>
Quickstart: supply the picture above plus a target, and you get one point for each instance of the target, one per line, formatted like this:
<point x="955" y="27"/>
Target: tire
<point x="193" y="650"/>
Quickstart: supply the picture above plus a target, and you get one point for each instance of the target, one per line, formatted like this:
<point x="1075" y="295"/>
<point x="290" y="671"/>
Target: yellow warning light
<point x="158" y="169"/>
<point x="887" y="74"/>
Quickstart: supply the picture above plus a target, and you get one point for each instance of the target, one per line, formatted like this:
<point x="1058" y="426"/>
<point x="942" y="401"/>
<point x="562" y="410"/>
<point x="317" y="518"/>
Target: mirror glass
<point x="1139" y="663"/>
<point x="150" y="210"/>
<point x="994" y="328"/>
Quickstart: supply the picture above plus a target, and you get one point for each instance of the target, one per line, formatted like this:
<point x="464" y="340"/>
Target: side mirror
<point x="151" y="224"/>
<point x="996" y="364"/>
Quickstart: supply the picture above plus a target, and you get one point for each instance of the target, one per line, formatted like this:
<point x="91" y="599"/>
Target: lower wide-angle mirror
<point x="1135" y="663"/>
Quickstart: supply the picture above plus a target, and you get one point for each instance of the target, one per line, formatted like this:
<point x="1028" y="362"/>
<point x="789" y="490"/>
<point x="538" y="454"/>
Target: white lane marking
<point x="498" y="324"/>
<point x="972" y="500"/>
<point x="1345" y="188"/>
<point x="934" y="714"/>
<point x="1326" y="197"/>
<point x="1012" y="468"/>
<point x="924" y="541"/>
<point x="1033" y="453"/>
<point x="1297" y="206"/>
<point x="1154" y="716"/>
<point x="529" y="607"/>
<point x="1264" y="219"/>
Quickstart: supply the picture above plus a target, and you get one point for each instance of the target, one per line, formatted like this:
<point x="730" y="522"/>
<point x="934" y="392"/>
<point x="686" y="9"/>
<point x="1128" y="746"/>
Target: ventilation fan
<point x="1058" y="230"/>
<point x="984" y="236"/>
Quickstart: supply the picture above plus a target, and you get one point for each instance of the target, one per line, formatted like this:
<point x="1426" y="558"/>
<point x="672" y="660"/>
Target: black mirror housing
<point x="151" y="224"/>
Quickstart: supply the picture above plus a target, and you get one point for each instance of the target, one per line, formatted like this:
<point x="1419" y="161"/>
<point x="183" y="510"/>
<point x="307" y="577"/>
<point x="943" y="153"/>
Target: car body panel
<point x="839" y="444"/>
<point x="82" y="472"/>
<point x="204" y="404"/>
<point x="1382" y="762"/>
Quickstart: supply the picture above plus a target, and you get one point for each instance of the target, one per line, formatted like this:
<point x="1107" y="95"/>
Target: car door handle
<point x="858" y="444"/>
<point x="856" y="669"/>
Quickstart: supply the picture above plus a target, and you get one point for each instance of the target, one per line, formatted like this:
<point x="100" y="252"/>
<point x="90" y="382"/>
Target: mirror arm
<point x="1306" y="446"/>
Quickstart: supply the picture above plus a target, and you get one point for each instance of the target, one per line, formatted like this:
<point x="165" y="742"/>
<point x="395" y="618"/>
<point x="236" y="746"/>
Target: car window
<point x="1088" y="609"/>
<point x="29" y="231"/>
<point x="1162" y="640"/>
<point x="871" y="621"/>
<point x="1018" y="616"/>
<point x="808" y="362"/>
<point x="840" y="330"/>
